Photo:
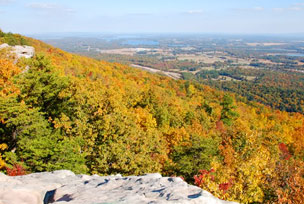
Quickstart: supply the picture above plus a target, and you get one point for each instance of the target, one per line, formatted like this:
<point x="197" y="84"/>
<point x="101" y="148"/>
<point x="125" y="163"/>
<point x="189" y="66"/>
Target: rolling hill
<point x="72" y="112"/>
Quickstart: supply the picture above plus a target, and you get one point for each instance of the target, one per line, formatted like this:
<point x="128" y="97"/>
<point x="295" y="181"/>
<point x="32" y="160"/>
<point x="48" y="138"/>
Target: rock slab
<point x="65" y="187"/>
<point x="20" y="51"/>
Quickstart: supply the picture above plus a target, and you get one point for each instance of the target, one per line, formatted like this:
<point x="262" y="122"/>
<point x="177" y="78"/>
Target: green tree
<point x="189" y="159"/>
<point x="42" y="87"/>
<point x="29" y="135"/>
<point x="228" y="114"/>
<point x="28" y="129"/>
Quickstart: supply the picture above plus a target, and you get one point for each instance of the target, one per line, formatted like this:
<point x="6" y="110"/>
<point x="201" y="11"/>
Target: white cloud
<point x="253" y="9"/>
<point x="299" y="4"/>
<point x="139" y="14"/>
<point x="43" y="6"/>
<point x="296" y="8"/>
<point x="50" y="7"/>
<point x="293" y="7"/>
<point x="258" y="8"/>
<point x="193" y="12"/>
<point x="6" y="1"/>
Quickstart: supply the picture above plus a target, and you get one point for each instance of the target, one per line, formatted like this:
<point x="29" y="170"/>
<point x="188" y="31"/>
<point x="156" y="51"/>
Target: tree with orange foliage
<point x="7" y="72"/>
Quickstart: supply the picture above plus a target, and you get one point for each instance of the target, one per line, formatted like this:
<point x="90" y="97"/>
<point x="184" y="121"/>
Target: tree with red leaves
<point x="285" y="152"/>
<point x="16" y="170"/>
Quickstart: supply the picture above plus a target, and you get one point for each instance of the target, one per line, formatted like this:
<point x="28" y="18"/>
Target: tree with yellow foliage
<point x="2" y="162"/>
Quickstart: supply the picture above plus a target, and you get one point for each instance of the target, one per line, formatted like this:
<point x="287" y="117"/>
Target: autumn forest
<point x="65" y="111"/>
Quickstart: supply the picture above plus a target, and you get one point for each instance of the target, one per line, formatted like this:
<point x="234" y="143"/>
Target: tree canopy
<point x="90" y="116"/>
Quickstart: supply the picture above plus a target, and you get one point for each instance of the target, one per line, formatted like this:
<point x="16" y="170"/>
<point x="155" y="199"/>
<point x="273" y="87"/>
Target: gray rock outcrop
<point x="20" y="51"/>
<point x="24" y="51"/>
<point x="4" y="45"/>
<point x="66" y="187"/>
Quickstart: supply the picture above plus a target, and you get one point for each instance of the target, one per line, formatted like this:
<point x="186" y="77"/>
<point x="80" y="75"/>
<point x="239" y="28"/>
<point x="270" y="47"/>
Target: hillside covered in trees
<point x="279" y="90"/>
<point x="89" y="116"/>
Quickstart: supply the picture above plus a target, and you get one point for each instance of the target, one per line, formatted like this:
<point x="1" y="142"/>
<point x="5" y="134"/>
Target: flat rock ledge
<point x="20" y="51"/>
<point x="65" y="187"/>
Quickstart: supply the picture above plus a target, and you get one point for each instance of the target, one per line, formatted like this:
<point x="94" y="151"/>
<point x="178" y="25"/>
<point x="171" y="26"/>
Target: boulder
<point x="20" y="51"/>
<point x="66" y="187"/>
<point x="4" y="45"/>
<point x="20" y="196"/>
<point x="23" y="51"/>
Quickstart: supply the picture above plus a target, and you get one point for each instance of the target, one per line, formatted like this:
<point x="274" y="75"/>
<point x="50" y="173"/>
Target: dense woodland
<point x="279" y="90"/>
<point x="277" y="86"/>
<point x="90" y="116"/>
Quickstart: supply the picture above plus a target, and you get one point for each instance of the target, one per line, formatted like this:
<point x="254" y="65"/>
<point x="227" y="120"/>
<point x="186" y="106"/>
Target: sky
<point x="153" y="16"/>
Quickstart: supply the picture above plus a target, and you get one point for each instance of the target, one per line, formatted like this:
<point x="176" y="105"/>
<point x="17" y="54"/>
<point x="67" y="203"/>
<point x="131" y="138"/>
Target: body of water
<point x="140" y="42"/>
<point x="295" y="55"/>
<point x="290" y="54"/>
